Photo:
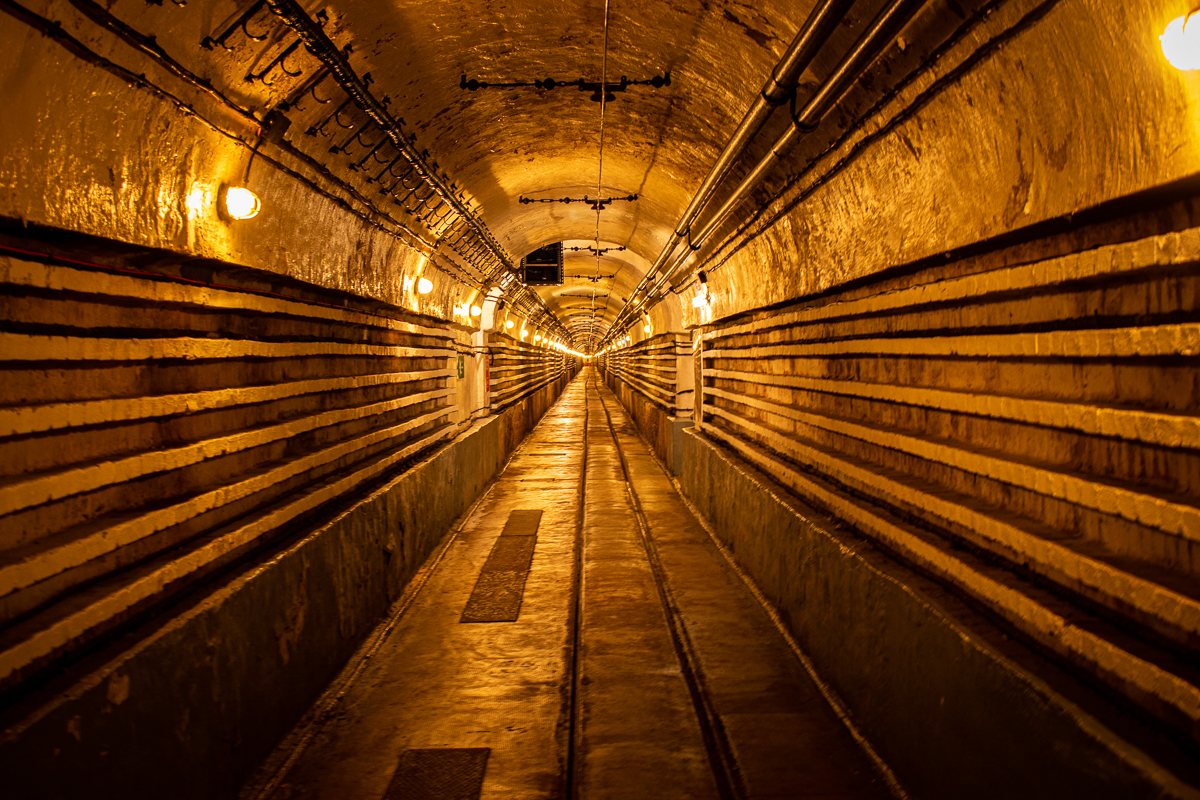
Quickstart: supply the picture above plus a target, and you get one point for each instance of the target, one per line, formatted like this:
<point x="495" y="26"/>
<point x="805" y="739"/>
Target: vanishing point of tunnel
<point x="730" y="399"/>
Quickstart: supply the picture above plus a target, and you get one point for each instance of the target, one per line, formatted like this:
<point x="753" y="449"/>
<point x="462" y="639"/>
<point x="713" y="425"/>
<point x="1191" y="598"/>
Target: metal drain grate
<point x="448" y="773"/>
<point x="501" y="586"/>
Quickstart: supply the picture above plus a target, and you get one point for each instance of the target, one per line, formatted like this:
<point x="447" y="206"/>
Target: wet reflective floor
<point x="602" y="648"/>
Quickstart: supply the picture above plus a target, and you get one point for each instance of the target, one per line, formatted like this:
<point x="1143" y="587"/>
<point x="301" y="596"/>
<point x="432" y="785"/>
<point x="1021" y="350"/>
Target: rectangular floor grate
<point x="448" y="773"/>
<point x="498" y="592"/>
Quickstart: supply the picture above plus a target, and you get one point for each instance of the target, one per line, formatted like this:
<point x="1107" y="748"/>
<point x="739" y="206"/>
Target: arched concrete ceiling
<point x="972" y="126"/>
<point x="595" y="285"/>
<point x="501" y="144"/>
<point x="240" y="61"/>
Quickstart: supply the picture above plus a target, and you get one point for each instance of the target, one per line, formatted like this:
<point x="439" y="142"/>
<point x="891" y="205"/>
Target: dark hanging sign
<point x="544" y="266"/>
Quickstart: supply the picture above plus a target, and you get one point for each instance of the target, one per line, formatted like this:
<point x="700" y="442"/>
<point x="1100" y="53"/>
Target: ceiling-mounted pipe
<point x="861" y="55"/>
<point x="321" y="46"/>
<point x="808" y="40"/>
<point x="888" y="23"/>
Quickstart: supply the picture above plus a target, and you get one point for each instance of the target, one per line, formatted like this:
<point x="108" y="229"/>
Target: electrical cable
<point x="54" y="31"/>
<point x="600" y="160"/>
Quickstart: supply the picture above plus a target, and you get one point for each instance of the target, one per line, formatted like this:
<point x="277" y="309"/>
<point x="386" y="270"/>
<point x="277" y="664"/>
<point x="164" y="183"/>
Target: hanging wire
<point x="600" y="161"/>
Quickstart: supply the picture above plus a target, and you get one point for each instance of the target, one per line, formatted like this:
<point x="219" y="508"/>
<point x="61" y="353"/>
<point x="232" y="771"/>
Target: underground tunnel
<point x="705" y="399"/>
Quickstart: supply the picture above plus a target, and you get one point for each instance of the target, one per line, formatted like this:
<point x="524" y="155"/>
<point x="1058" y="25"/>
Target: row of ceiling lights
<point x="239" y="203"/>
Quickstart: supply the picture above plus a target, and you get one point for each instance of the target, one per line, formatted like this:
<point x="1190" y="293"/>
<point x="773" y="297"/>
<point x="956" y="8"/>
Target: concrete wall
<point x="214" y="485"/>
<point x="187" y="703"/>
<point x="982" y="121"/>
<point x="1016" y="425"/>
<point x="652" y="379"/>
<point x="955" y="710"/>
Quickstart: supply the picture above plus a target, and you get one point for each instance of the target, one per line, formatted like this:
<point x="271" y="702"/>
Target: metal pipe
<point x="864" y="51"/>
<point x="335" y="60"/>
<point x="808" y="40"/>
<point x="861" y="55"/>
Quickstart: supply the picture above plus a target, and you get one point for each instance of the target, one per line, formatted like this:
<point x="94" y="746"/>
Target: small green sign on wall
<point x="461" y="369"/>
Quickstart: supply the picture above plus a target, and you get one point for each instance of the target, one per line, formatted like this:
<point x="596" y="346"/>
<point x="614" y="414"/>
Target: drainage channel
<point x="571" y="686"/>
<point x="545" y="651"/>
<point x="770" y="727"/>
<point x="720" y="755"/>
<point x="436" y="704"/>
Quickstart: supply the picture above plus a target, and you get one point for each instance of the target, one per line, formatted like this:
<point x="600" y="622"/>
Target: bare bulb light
<point x="647" y="329"/>
<point x="241" y="203"/>
<point x="509" y="324"/>
<point x="476" y="311"/>
<point x="424" y="286"/>
<point x="1181" y="42"/>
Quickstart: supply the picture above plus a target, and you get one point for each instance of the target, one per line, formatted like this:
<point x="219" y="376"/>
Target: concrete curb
<point x="192" y="707"/>
<point x="916" y="680"/>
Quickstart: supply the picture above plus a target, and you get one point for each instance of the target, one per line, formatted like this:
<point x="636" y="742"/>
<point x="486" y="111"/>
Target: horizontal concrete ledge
<point x="953" y="714"/>
<point x="189" y="706"/>
<point x="658" y="427"/>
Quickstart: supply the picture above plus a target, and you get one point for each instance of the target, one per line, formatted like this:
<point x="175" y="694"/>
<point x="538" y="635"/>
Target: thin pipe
<point x="864" y="51"/>
<point x="335" y="60"/>
<point x="600" y="163"/>
<point x="860" y="56"/>
<point x="808" y="40"/>
<point x="319" y="45"/>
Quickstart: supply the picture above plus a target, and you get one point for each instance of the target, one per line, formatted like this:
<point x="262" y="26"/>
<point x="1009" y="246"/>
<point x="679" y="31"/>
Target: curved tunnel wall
<point x="965" y="303"/>
<point x="1028" y="112"/>
<point x="210" y="488"/>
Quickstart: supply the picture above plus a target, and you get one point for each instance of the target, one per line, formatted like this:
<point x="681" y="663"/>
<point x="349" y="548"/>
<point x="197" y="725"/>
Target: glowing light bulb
<point x="647" y="328"/>
<point x="476" y="311"/>
<point x="537" y="337"/>
<point x="524" y="333"/>
<point x="424" y="286"/>
<point x="241" y="203"/>
<point x="508" y="324"/>
<point x="1181" y="42"/>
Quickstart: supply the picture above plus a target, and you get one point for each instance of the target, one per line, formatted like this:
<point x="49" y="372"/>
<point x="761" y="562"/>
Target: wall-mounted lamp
<point x="508" y="324"/>
<point x="702" y="297"/>
<point x="239" y="202"/>
<point x="476" y="311"/>
<point x="424" y="286"/>
<point x="1181" y="42"/>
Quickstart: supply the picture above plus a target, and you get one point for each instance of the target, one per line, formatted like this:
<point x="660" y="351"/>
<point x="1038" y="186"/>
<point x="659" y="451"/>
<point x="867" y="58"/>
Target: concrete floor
<point x="641" y="665"/>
